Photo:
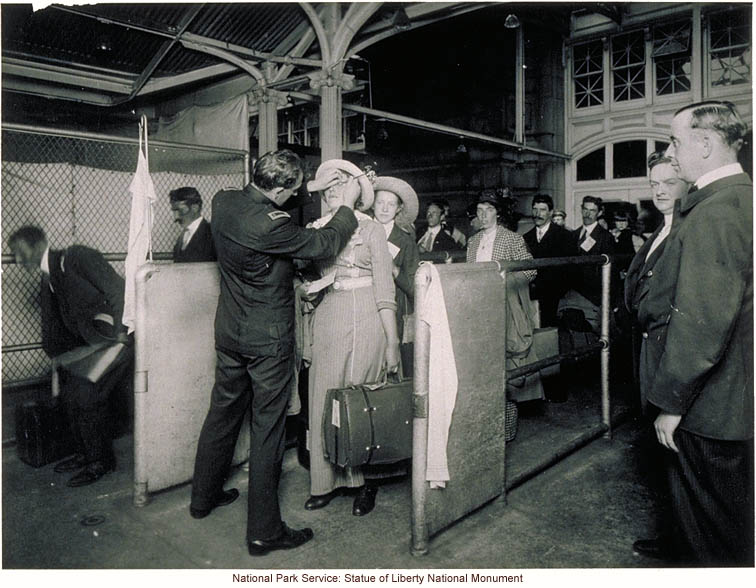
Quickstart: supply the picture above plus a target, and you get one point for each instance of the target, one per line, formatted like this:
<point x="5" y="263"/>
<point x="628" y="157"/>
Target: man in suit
<point x="256" y="242"/>
<point x="436" y="238"/>
<point x="591" y="239"/>
<point x="666" y="190"/>
<point x="547" y="239"/>
<point x="82" y="304"/>
<point x="698" y="321"/>
<point x="195" y="242"/>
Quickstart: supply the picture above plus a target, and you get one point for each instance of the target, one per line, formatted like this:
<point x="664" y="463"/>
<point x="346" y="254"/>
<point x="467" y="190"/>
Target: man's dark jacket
<point x="84" y="285"/>
<point x="698" y="316"/>
<point x="255" y="243"/>
<point x="199" y="248"/>
<point x="551" y="283"/>
<point x="588" y="277"/>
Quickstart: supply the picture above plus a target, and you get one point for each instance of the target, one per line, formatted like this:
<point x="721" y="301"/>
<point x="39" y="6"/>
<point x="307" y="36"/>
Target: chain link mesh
<point x="77" y="190"/>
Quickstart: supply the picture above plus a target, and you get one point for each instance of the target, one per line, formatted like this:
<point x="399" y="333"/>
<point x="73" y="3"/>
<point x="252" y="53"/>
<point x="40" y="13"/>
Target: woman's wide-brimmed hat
<point x="367" y="195"/>
<point x="405" y="192"/>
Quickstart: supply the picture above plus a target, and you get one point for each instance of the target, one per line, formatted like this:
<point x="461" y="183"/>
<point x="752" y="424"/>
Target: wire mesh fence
<point x="76" y="188"/>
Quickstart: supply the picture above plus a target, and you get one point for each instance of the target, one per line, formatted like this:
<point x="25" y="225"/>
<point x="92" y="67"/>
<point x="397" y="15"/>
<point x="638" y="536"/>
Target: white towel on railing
<point x="442" y="380"/>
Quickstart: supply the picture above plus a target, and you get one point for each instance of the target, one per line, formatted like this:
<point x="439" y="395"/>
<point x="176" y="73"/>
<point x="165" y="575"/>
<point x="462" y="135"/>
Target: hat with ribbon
<point x="405" y="193"/>
<point x="367" y="195"/>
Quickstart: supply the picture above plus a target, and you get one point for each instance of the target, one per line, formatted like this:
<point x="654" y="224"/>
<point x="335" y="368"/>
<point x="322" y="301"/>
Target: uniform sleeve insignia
<point x="276" y="214"/>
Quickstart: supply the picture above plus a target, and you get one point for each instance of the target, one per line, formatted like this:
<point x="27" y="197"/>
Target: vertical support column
<point x="606" y="417"/>
<point x="268" y="102"/>
<point x="697" y="77"/>
<point x="519" y="86"/>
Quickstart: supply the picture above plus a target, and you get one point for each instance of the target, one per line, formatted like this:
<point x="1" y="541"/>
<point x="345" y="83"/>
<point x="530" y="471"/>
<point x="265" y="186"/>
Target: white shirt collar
<point x="388" y="227"/>
<point x="719" y="173"/>
<point x="542" y="230"/>
<point x="44" y="264"/>
<point x="589" y="228"/>
<point x="192" y="228"/>
<point x="434" y="230"/>
<point x="668" y="219"/>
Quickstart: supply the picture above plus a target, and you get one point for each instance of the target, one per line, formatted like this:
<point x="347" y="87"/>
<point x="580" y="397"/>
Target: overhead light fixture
<point x="511" y="22"/>
<point x="401" y="21"/>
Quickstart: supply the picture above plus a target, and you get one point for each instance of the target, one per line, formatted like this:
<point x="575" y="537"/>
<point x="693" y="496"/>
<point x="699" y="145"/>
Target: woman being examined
<point x="354" y="331"/>
<point x="395" y="208"/>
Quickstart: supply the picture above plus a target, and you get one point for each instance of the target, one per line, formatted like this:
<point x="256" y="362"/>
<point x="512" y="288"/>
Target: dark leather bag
<point x="368" y="424"/>
<point x="42" y="433"/>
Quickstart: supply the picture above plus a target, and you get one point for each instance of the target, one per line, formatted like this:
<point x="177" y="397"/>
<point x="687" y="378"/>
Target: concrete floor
<point x="583" y="512"/>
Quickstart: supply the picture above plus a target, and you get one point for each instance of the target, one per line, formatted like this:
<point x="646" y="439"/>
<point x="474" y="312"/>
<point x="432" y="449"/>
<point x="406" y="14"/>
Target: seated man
<point x="82" y="305"/>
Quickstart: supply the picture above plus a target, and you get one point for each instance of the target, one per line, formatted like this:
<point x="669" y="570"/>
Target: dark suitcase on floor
<point x="42" y="432"/>
<point x="368" y="424"/>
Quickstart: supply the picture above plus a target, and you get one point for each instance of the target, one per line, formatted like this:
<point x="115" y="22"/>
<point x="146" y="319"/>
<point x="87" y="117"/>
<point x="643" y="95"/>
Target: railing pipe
<point x="606" y="272"/>
<point x="419" y="544"/>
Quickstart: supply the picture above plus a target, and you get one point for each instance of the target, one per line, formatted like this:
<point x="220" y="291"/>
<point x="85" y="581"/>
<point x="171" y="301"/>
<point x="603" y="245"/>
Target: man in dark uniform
<point x="547" y="239"/>
<point x="81" y="299"/>
<point x="195" y="243"/>
<point x="254" y="339"/>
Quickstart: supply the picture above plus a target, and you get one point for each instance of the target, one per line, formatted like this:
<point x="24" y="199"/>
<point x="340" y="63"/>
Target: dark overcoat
<point x="698" y="315"/>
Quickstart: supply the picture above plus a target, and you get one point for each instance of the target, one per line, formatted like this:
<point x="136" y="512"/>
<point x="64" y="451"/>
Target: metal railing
<point x="420" y="502"/>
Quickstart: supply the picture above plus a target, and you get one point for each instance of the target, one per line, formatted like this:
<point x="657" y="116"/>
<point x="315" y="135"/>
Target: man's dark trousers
<point x="712" y="491"/>
<point x="242" y="381"/>
<point x="89" y="411"/>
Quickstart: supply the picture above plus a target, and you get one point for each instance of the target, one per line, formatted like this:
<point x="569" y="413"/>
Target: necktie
<point x="427" y="243"/>
<point x="539" y="235"/>
<point x="692" y="189"/>
<point x="185" y="239"/>
<point x="583" y="235"/>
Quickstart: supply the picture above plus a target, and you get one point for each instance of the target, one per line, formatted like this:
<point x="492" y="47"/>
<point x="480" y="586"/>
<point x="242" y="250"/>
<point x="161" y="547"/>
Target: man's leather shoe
<point x="91" y="473"/>
<point x="656" y="548"/>
<point x="226" y="498"/>
<point x="288" y="539"/>
<point x="364" y="502"/>
<point x="321" y="500"/>
<point x="70" y="464"/>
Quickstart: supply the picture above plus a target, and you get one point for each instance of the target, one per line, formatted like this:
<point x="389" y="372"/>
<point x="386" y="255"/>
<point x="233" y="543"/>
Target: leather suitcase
<point x="368" y="424"/>
<point x="42" y="432"/>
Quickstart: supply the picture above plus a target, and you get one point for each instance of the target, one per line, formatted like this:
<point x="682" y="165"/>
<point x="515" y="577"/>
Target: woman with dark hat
<point x="396" y="206"/>
<point x="354" y="330"/>
<point x="494" y="242"/>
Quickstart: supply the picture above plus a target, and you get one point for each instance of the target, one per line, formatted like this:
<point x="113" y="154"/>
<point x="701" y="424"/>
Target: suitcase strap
<point x="369" y="408"/>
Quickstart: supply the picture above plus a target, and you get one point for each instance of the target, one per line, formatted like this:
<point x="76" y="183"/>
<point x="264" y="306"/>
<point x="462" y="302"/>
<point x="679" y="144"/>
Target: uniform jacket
<point x="698" y="314"/>
<point x="84" y="285"/>
<point x="407" y="261"/>
<point x="587" y="279"/>
<point x="199" y="248"/>
<point x="508" y="246"/>
<point x="556" y="242"/>
<point x="255" y="243"/>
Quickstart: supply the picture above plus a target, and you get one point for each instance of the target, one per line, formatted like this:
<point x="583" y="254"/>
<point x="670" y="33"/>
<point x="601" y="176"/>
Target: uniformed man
<point x="254" y="339"/>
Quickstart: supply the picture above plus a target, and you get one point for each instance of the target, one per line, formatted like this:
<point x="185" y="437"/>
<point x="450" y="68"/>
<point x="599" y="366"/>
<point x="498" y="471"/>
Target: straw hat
<point x="367" y="194"/>
<point x="410" y="203"/>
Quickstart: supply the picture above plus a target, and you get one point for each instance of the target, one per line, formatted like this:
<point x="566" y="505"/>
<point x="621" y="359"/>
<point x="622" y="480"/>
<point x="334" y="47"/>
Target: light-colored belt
<point x="352" y="283"/>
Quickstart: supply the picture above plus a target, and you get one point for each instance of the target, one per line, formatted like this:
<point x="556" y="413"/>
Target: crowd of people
<point x="687" y="289"/>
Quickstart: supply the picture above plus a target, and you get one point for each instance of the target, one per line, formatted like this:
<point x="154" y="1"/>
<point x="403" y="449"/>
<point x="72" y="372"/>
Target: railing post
<point x="420" y="419"/>
<point x="606" y="273"/>
<point x="503" y="495"/>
